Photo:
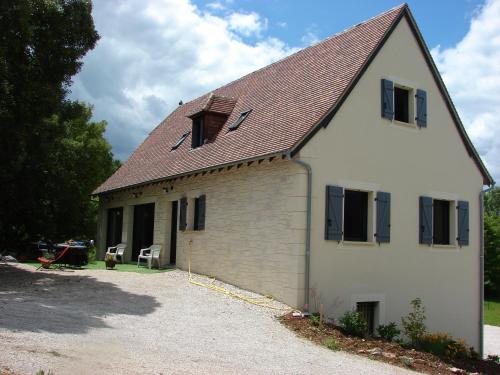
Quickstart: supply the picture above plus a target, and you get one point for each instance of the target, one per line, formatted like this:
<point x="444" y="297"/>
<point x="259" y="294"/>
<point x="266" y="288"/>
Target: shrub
<point x="314" y="320"/>
<point x="92" y="254"/>
<point x="443" y="344"/>
<point x="388" y="332"/>
<point x="414" y="322"/>
<point x="354" y="324"/>
<point x="493" y="357"/>
<point x="331" y="344"/>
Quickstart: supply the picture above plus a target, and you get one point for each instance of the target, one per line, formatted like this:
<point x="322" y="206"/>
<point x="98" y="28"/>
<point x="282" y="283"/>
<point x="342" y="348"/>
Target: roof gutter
<point x="308" y="169"/>
<point x="481" y="268"/>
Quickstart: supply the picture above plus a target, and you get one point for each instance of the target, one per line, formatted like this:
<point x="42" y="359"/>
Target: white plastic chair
<point x="150" y="255"/>
<point x="117" y="251"/>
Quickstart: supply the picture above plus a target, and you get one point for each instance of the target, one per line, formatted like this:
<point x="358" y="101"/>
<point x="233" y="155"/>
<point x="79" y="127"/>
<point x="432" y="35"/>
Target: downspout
<point x="308" y="231"/>
<point x="481" y="268"/>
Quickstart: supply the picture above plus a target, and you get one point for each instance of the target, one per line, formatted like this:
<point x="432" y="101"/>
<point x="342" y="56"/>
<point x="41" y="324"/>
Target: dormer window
<point x="197" y="133"/>
<point x="239" y="120"/>
<point x="180" y="140"/>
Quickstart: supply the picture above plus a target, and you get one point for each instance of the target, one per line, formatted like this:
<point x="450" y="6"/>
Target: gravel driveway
<point x="96" y="322"/>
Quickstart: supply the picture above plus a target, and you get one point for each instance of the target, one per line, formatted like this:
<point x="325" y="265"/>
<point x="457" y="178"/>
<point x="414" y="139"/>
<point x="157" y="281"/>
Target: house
<point x="340" y="175"/>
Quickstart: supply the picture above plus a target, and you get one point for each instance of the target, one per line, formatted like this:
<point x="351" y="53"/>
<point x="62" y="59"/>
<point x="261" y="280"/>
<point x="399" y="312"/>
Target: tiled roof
<point x="288" y="99"/>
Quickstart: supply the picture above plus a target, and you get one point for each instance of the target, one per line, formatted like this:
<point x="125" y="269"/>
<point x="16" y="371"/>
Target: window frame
<point x="365" y="212"/>
<point x="242" y="117"/>
<point x="180" y="141"/>
<point x="410" y="105"/>
<point x="198" y="122"/>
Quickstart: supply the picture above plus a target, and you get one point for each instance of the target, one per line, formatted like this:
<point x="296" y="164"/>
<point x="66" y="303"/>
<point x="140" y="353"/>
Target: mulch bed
<point x="389" y="352"/>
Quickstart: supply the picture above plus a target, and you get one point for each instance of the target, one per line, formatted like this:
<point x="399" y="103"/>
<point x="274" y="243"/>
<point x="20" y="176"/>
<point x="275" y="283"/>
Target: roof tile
<point x="288" y="98"/>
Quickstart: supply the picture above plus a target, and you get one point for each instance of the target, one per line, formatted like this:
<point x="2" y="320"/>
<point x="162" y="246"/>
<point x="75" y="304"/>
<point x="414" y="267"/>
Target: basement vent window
<point x="179" y="141"/>
<point x="239" y="120"/>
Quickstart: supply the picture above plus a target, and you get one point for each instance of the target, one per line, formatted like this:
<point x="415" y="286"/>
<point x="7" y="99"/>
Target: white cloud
<point x="150" y="57"/>
<point x="471" y="71"/>
<point x="311" y="35"/>
<point x="247" y="24"/>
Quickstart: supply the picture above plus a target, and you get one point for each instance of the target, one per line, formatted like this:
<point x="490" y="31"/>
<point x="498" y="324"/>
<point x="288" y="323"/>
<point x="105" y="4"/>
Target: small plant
<point x="41" y="372"/>
<point x="92" y="254"/>
<point x="315" y="320"/>
<point x="407" y="361"/>
<point x="493" y="357"/>
<point x="110" y="261"/>
<point x="443" y="344"/>
<point x="388" y="332"/>
<point x="354" y="324"/>
<point x="331" y="344"/>
<point x="414" y="323"/>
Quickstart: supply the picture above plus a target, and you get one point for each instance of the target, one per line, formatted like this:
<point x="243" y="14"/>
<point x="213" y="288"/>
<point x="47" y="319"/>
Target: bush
<point x="92" y="254"/>
<point x="314" y="320"/>
<point x="388" y="332"/>
<point x="354" y="324"/>
<point x="493" y="357"/>
<point x="331" y="344"/>
<point x="414" y="323"/>
<point x="443" y="344"/>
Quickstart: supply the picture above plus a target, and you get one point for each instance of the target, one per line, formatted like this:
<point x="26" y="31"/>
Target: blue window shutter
<point x="183" y="214"/>
<point x="333" y="219"/>
<point x="383" y="217"/>
<point x="463" y="223"/>
<point x="387" y="99"/>
<point x="425" y="230"/>
<point x="421" y="117"/>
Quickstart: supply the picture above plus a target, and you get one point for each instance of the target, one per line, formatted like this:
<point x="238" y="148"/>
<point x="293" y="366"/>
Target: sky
<point x="154" y="53"/>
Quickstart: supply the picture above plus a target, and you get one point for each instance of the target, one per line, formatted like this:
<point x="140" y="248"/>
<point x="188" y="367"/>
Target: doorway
<point x="173" y="233"/>
<point x="114" y="228"/>
<point x="142" y="234"/>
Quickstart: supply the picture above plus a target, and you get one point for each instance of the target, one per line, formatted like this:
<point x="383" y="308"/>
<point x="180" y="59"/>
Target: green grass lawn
<point x="127" y="267"/>
<point x="492" y="313"/>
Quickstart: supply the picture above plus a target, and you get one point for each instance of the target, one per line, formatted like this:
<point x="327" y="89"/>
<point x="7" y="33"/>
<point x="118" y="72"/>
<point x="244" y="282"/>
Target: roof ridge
<point x="401" y="6"/>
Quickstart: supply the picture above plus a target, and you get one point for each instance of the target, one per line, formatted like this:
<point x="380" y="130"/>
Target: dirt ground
<point x="105" y="322"/>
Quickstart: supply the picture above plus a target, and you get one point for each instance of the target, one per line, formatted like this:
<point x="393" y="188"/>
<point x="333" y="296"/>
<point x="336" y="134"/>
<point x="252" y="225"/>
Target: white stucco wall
<point x="359" y="149"/>
<point x="254" y="227"/>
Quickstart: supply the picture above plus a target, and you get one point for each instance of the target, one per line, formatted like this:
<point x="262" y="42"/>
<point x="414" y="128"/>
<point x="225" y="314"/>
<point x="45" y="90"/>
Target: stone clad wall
<point x="254" y="229"/>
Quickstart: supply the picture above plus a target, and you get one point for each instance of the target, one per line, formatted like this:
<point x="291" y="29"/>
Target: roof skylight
<point x="180" y="140"/>
<point x="239" y="120"/>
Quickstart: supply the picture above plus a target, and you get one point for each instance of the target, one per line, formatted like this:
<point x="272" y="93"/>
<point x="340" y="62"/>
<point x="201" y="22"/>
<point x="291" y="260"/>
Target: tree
<point x="51" y="155"/>
<point x="492" y="243"/>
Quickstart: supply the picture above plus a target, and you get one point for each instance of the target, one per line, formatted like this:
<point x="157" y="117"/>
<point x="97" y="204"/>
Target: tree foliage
<point x="51" y="155"/>
<point x="492" y="243"/>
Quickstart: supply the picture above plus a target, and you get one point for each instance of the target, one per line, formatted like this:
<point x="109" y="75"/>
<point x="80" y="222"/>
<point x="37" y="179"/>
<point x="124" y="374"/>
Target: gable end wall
<point x="361" y="150"/>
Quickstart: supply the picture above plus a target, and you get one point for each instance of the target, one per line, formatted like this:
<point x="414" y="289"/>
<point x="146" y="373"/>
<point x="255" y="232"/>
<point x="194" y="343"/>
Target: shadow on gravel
<point x="46" y="301"/>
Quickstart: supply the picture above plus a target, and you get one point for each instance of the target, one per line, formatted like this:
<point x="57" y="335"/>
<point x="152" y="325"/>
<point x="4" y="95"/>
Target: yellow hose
<point x="258" y="301"/>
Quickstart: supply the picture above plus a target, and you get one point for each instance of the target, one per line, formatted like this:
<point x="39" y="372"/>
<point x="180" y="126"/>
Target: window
<point x="441" y="219"/>
<point x="239" y="120"/>
<point x="355" y="215"/>
<point x="194" y="218"/>
<point x="401" y="104"/>
<point x="441" y="222"/>
<point x="180" y="140"/>
<point x="199" y="213"/>
<point x="197" y="134"/>
<point x="351" y="216"/>
<point x="398" y="103"/>
<point x="368" y="311"/>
